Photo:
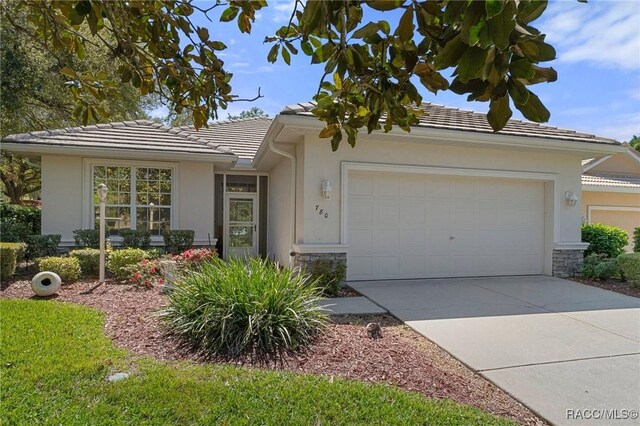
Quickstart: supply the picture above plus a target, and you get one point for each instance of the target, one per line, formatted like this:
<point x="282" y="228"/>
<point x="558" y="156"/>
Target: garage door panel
<point x="418" y="225"/>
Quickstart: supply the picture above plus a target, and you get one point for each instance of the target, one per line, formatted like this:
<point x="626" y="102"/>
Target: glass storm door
<point x="241" y="225"/>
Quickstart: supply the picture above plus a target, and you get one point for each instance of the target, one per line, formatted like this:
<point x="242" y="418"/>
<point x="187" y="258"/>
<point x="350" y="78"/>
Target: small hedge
<point x="135" y="239"/>
<point x="121" y="260"/>
<point x="604" y="239"/>
<point x="68" y="268"/>
<point x="89" y="260"/>
<point x="10" y="255"/>
<point x="630" y="268"/>
<point x="636" y="240"/>
<point x="329" y="275"/>
<point x="87" y="238"/>
<point x="18" y="222"/>
<point x="600" y="267"/>
<point x="176" y="241"/>
<point x="42" y="245"/>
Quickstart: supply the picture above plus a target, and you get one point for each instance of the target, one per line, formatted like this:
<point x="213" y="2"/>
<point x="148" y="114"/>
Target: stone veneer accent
<point x="567" y="263"/>
<point x="306" y="260"/>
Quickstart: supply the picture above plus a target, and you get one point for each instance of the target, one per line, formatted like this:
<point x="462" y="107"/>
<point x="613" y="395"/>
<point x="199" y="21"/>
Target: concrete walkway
<point x="558" y="346"/>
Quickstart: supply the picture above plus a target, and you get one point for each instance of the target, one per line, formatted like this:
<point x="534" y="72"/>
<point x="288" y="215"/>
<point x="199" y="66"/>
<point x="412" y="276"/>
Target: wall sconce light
<point x="326" y="189"/>
<point x="571" y="198"/>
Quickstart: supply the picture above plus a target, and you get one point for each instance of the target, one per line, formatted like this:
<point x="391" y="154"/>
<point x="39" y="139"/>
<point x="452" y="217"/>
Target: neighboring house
<point x="611" y="191"/>
<point x="449" y="199"/>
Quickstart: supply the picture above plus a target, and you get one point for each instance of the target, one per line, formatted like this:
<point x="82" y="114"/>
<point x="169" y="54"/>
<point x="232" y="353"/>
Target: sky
<point x="598" y="65"/>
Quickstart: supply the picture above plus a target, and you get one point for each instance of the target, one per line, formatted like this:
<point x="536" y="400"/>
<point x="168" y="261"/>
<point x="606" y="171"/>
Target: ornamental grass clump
<point x="241" y="308"/>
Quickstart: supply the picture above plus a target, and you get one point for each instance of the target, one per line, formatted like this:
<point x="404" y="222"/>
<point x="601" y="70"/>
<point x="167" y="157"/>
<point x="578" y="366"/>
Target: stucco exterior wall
<point x="321" y="164"/>
<point x="320" y="220"/>
<point x="628" y="217"/>
<point x="279" y="215"/>
<point x="62" y="178"/>
<point x="65" y="180"/>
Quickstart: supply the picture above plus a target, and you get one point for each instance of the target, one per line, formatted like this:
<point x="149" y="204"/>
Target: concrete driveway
<point x="568" y="351"/>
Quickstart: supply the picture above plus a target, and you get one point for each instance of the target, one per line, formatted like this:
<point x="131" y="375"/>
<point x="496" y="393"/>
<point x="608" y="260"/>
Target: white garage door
<point x="404" y="225"/>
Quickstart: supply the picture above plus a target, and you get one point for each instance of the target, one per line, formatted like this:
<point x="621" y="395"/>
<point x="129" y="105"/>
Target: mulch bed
<point x="612" y="285"/>
<point x="401" y="358"/>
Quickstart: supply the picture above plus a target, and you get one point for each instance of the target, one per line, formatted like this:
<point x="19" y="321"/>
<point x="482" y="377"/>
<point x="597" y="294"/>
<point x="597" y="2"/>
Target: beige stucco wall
<point x="616" y="165"/>
<point x="627" y="219"/>
<point x="562" y="222"/>
<point x="321" y="163"/>
<point x="64" y="204"/>
<point x="279" y="212"/>
<point x="61" y="196"/>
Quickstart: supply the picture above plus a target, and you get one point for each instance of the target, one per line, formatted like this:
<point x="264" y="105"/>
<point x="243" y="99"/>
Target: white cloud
<point x="281" y="10"/>
<point x="605" y="33"/>
<point x="623" y="128"/>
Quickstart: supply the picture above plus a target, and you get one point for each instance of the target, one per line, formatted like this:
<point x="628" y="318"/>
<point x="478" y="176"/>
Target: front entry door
<point x="241" y="225"/>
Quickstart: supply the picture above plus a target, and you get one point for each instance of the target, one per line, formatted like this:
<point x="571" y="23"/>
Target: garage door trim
<point x="551" y="194"/>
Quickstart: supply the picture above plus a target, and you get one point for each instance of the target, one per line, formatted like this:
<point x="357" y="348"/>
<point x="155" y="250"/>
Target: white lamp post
<point x="102" y="194"/>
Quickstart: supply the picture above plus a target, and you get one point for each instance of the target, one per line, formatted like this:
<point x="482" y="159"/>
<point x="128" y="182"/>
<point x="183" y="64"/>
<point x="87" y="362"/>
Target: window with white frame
<point x="137" y="198"/>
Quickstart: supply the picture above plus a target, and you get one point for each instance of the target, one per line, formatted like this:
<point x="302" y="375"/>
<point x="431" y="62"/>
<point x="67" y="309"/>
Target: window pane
<point x="239" y="183"/>
<point x="116" y="218"/>
<point x="241" y="210"/>
<point x="141" y="173"/>
<point x="154" y="198"/>
<point x="240" y="236"/>
<point x="165" y="199"/>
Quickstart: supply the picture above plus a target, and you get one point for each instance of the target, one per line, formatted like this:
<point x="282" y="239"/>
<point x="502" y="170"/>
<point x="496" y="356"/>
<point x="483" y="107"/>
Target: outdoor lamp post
<point x="102" y="194"/>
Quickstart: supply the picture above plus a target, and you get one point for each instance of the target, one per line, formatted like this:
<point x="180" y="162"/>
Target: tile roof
<point x="142" y="135"/>
<point x="243" y="136"/>
<point x="610" y="180"/>
<point x="443" y="117"/>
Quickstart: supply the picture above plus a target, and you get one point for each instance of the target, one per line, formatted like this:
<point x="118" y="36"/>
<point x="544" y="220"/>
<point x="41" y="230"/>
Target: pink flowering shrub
<point x="147" y="274"/>
<point x="194" y="257"/>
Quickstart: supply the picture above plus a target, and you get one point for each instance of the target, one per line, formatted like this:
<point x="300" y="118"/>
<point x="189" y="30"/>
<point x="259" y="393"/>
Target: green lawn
<point x="55" y="358"/>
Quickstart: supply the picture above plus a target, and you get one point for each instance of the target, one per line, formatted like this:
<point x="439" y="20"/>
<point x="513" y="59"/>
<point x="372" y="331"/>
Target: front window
<point x="137" y="198"/>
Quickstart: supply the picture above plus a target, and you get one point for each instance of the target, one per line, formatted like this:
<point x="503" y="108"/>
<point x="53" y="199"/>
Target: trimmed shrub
<point x="89" y="260"/>
<point x="121" y="260"/>
<point x="604" y="239"/>
<point x="42" y="245"/>
<point x="87" y="238"/>
<point x="68" y="268"/>
<point x="176" y="241"/>
<point x="192" y="258"/>
<point x="329" y="275"/>
<point x="600" y="267"/>
<point x="10" y="255"/>
<point x="146" y="273"/>
<point x="630" y="268"/>
<point x="244" y="308"/>
<point x="12" y="231"/>
<point x="135" y="239"/>
<point x="17" y="222"/>
<point x="636" y="240"/>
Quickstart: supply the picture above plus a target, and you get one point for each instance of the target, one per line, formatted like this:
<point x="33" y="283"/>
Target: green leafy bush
<point x="329" y="275"/>
<point x="42" y="245"/>
<point x="604" y="239"/>
<point x="12" y="231"/>
<point x="121" y="260"/>
<point x="600" y="267"/>
<point x="630" y="268"/>
<point x="244" y="308"/>
<point x="89" y="260"/>
<point x="176" y="241"/>
<point x="68" y="268"/>
<point x="636" y="240"/>
<point x="135" y="239"/>
<point x="18" y="222"/>
<point x="87" y="238"/>
<point x="10" y="255"/>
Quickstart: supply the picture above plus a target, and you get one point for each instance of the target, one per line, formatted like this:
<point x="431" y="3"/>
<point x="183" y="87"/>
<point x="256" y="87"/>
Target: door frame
<point x="241" y="195"/>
